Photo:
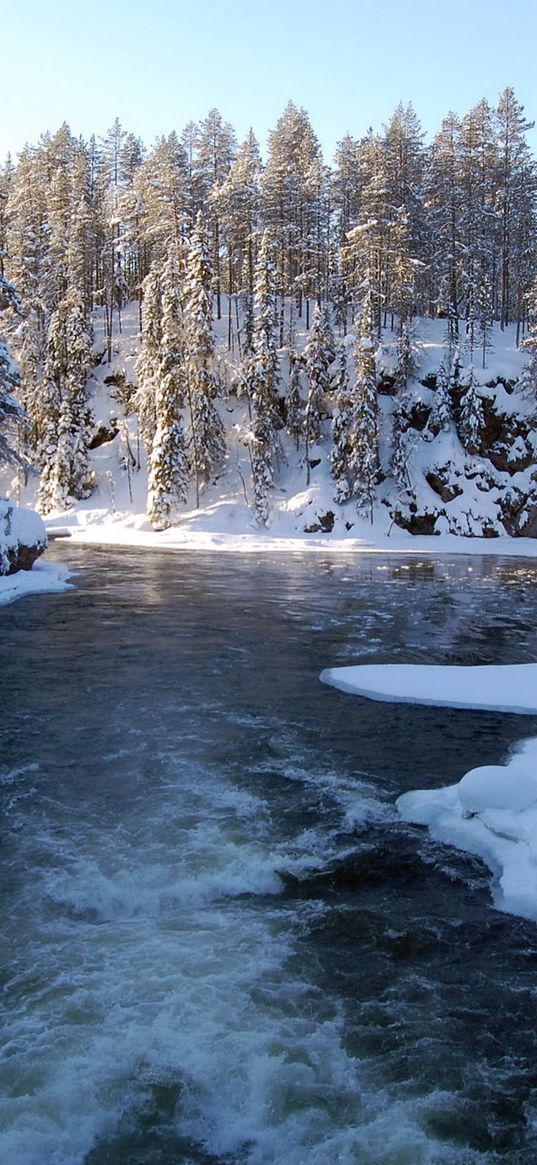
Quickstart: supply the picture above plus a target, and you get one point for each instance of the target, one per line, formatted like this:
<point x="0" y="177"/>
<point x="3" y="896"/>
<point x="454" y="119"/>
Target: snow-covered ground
<point x="492" y="811"/>
<point x="303" y="511"/>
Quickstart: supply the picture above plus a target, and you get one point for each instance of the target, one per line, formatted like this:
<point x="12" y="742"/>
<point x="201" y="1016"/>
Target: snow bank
<point x="227" y="526"/>
<point x="43" y="577"/>
<point x="492" y="811"/>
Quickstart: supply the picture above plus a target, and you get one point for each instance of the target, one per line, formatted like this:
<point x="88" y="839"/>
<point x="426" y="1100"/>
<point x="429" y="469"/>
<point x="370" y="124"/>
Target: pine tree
<point x="65" y="447"/>
<point x="407" y="365"/>
<point x="402" y="444"/>
<point x="318" y="356"/>
<point x="207" y="446"/>
<point x="445" y="204"/>
<point x="168" y="462"/>
<point x="295" y="410"/>
<point x="442" y="410"/>
<point x="161" y="183"/>
<point x="346" y="186"/>
<point x="215" y="151"/>
<point x="479" y="220"/>
<point x="148" y="363"/>
<point x="529" y="345"/>
<point x="471" y="419"/>
<point x="293" y="205"/>
<point x="515" y="196"/>
<point x="262" y="380"/>
<point x="237" y="203"/>
<point x="11" y="412"/>
<point x="341" y="455"/>
<point x="354" y="460"/>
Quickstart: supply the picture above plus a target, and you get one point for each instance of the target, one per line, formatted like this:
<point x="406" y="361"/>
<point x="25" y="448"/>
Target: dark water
<point x="220" y="943"/>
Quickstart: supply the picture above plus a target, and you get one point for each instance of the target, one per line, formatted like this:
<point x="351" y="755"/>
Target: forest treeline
<point x="200" y="226"/>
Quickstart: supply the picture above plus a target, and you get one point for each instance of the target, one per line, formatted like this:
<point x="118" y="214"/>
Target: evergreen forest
<point x="277" y="281"/>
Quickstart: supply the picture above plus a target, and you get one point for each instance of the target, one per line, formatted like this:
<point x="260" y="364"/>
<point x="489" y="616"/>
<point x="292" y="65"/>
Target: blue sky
<point x="157" y="65"/>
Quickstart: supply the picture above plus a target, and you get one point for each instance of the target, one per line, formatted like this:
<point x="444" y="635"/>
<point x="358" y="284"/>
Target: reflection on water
<point x="221" y="944"/>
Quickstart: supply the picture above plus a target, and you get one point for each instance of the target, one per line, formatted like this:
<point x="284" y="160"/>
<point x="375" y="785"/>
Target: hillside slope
<point x="444" y="489"/>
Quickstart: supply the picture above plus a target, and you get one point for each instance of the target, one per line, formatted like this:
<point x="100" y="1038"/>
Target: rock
<point x="414" y="522"/>
<point x="324" y="524"/>
<point x="104" y="433"/>
<point x="440" y="479"/>
<point x="22" y="538"/>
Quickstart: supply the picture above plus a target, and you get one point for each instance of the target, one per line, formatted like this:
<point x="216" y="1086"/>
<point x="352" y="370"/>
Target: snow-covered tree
<point x="529" y="373"/>
<point x="11" y="412"/>
<point x="262" y="379"/>
<point x="515" y="198"/>
<point x="294" y="205"/>
<point x="207" y="446"/>
<point x="294" y="401"/>
<point x="148" y="363"/>
<point x="161" y="183"/>
<point x="168" y="462"/>
<point x="216" y="148"/>
<point x="65" y="446"/>
<point x="442" y="410"/>
<point x="471" y="418"/>
<point x="318" y="356"/>
<point x="354" y="459"/>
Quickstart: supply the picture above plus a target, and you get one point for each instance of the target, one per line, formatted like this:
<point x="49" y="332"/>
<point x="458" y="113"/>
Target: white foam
<point x="151" y="963"/>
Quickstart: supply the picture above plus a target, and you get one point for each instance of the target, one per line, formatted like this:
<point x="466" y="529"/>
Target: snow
<point x="492" y="811"/>
<point x="19" y="527"/>
<point x="42" y="578"/>
<point x="23" y="527"/>
<point x="304" y="495"/>
<point x="509" y="688"/>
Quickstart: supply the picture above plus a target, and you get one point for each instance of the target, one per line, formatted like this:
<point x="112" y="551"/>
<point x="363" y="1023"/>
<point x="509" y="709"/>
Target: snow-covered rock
<point x="22" y="537"/>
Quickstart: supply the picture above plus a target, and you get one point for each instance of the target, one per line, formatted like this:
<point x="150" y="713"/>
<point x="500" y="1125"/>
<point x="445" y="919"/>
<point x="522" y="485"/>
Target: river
<point x="221" y="945"/>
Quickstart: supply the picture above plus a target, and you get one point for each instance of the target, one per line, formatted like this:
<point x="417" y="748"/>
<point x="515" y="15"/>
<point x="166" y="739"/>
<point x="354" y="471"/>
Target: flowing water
<point x="220" y="944"/>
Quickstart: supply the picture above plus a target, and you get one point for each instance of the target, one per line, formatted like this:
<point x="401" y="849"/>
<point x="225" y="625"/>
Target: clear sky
<point x="157" y="65"/>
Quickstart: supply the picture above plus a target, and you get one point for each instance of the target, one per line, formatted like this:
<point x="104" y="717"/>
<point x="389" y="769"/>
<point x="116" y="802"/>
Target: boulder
<point x="22" y="537"/>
